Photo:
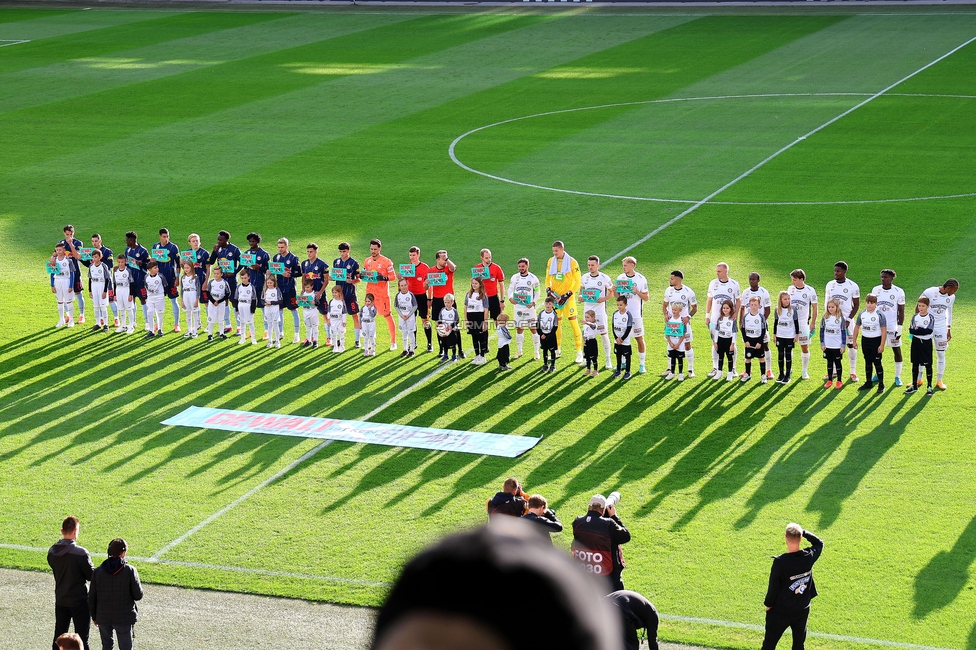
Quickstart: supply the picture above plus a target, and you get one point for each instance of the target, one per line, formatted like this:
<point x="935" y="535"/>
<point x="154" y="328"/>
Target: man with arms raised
<point x="721" y="289"/>
<point x="596" y="288"/>
<point x="848" y="296"/>
<point x="523" y="292"/>
<point x="804" y="298"/>
<point x="791" y="588"/>
<point x="562" y="283"/>
<point x="379" y="270"/>
<point x="891" y="304"/>
<point x="678" y="293"/>
<point x="417" y="285"/>
<point x="941" y="300"/>
<point x="633" y="286"/>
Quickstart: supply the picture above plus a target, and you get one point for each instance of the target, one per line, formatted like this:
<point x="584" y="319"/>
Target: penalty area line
<point x="311" y="576"/>
<point x="765" y="160"/>
<point x="7" y="42"/>
<point x="157" y="556"/>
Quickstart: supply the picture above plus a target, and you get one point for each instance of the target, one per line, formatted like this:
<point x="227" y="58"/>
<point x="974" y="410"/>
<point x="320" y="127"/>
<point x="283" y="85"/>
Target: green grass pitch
<point x="336" y="126"/>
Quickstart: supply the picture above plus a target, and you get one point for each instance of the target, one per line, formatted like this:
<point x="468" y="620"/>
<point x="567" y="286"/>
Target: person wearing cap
<point x="597" y="537"/>
<point x="469" y="591"/>
<point x="115" y="588"/>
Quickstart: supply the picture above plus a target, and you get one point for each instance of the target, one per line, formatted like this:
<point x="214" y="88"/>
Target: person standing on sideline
<point x="348" y="287"/>
<point x="941" y="300"/>
<point x="379" y="286"/>
<point x="523" y="293"/>
<point x="316" y="270"/>
<point x="73" y="569"/>
<point x="563" y="282"/>
<point x="791" y="588"/>
<point x="258" y="271"/>
<point x="201" y="266"/>
<point x="115" y="588"/>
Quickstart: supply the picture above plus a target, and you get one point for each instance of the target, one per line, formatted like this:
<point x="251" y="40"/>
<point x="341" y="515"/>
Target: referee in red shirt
<point x="494" y="284"/>
<point x="417" y="285"/>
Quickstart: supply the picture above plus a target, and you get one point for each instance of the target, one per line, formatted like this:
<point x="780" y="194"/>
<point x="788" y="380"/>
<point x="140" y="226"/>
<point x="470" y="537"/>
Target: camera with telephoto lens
<point x="612" y="500"/>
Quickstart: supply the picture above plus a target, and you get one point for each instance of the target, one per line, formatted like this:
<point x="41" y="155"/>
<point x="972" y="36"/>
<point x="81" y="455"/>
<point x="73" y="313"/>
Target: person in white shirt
<point x="833" y="339"/>
<point x="596" y="288"/>
<point x="786" y="332"/>
<point x="218" y="293"/>
<point x="804" y="299"/>
<point x="891" y="303"/>
<point x="367" y="319"/>
<point x="848" y="297"/>
<point x="190" y="289"/>
<point x="765" y="307"/>
<point x="62" y="286"/>
<point x="337" y="319"/>
<point x="523" y="293"/>
<point x="405" y="304"/>
<point x="476" y="313"/>
<point x="678" y="293"/>
<point x="157" y="286"/>
<point x="272" y="310"/>
<point x="754" y="337"/>
<point x="623" y="328"/>
<point x="633" y="286"/>
<point x="99" y="286"/>
<point x="122" y="281"/>
<point x="721" y="289"/>
<point x="941" y="300"/>
<point x="247" y="303"/>
<point x="872" y="324"/>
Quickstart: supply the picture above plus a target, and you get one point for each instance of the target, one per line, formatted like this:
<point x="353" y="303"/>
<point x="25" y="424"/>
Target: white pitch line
<point x="6" y="42"/>
<point x="667" y="617"/>
<point x="156" y="557"/>
<point x="784" y="149"/>
<point x="626" y="197"/>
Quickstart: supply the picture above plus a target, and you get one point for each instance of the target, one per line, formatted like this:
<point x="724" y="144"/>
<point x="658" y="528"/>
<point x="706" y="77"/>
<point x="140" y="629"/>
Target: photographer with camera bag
<point x="511" y="501"/>
<point x="540" y="514"/>
<point x="597" y="537"/>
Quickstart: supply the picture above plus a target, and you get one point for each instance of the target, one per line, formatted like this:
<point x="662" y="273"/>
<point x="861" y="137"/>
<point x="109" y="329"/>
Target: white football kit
<point x="524" y="289"/>
<point x="684" y="297"/>
<point x="888" y="303"/>
<point x="601" y="286"/>
<point x="721" y="292"/>
<point x="635" y="304"/>
<point x="802" y="299"/>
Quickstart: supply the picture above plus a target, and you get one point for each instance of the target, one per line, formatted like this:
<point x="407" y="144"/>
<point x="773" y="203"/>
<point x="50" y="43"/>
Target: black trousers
<point x="778" y="621"/>
<point x="623" y="352"/>
<point x="503" y="355"/>
<point x="590" y="353"/>
<point x="872" y="359"/>
<point x="63" y="616"/>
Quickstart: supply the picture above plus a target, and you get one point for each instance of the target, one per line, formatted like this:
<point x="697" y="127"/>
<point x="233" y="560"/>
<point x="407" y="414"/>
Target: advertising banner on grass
<point x="376" y="433"/>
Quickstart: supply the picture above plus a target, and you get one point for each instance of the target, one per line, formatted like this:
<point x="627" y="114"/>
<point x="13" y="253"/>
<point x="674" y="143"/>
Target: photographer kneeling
<point x="597" y="537"/>
<point x="540" y="514"/>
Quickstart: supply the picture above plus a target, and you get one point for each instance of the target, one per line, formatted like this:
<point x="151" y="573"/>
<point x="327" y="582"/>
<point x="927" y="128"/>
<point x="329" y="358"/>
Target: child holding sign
<point x="310" y="312"/>
<point x="100" y="285"/>
<point x="157" y="288"/>
<point x="676" y="333"/>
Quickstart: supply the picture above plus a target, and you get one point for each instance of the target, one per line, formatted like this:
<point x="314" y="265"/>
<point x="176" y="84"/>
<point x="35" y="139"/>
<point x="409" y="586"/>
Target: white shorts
<point x="244" y="313"/>
<point x="369" y="329"/>
<point x="804" y="336"/>
<point x="638" y="329"/>
<point x="524" y="316"/>
<point x="311" y="317"/>
<point x="600" y="309"/>
<point x="122" y="298"/>
<point x="187" y="300"/>
<point x="893" y="342"/>
<point x="156" y="303"/>
<point x="941" y="340"/>
<point x="63" y="289"/>
<point x="408" y="325"/>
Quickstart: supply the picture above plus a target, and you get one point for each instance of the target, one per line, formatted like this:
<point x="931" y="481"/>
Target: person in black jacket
<point x="597" y="537"/>
<point x="540" y="514"/>
<point x="510" y="501"/>
<point x="636" y="613"/>
<point x="72" y="566"/>
<point x="115" y="588"/>
<point x="791" y="588"/>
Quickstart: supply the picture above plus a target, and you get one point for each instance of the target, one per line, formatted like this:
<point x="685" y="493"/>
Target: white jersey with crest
<point x="888" y="302"/>
<point x="871" y="323"/>
<point x="524" y="285"/>
<point x="761" y="293"/>
<point x="844" y="293"/>
<point x="719" y="292"/>
<point x="940" y="306"/>
<point x="683" y="296"/>
<point x="602" y="284"/>
<point x="802" y="299"/>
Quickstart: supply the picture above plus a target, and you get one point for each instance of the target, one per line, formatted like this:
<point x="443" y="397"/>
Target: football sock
<point x="941" y="363"/>
<point x="898" y="366"/>
<point x="607" y="348"/>
<point x="690" y="356"/>
<point x="536" y="342"/>
<point x="642" y="357"/>
<point x="769" y="357"/>
<point x="805" y="361"/>
<point x="714" y="358"/>
<point x="852" y="360"/>
<point x="81" y="303"/>
<point x="519" y="342"/>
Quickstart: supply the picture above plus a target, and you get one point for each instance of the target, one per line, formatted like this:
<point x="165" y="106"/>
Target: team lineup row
<point x="235" y="282"/>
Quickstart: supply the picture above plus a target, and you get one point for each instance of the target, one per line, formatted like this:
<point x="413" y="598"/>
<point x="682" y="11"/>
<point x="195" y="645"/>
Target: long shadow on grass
<point x="971" y="643"/>
<point x="946" y="575"/>
<point x="863" y="454"/>
<point x="805" y="456"/>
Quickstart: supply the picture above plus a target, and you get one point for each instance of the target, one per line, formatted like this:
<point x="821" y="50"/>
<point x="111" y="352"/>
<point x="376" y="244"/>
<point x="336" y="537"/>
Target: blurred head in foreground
<point x="478" y="590"/>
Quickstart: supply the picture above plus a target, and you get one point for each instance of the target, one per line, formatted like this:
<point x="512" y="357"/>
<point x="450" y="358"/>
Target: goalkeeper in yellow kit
<point x="563" y="280"/>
